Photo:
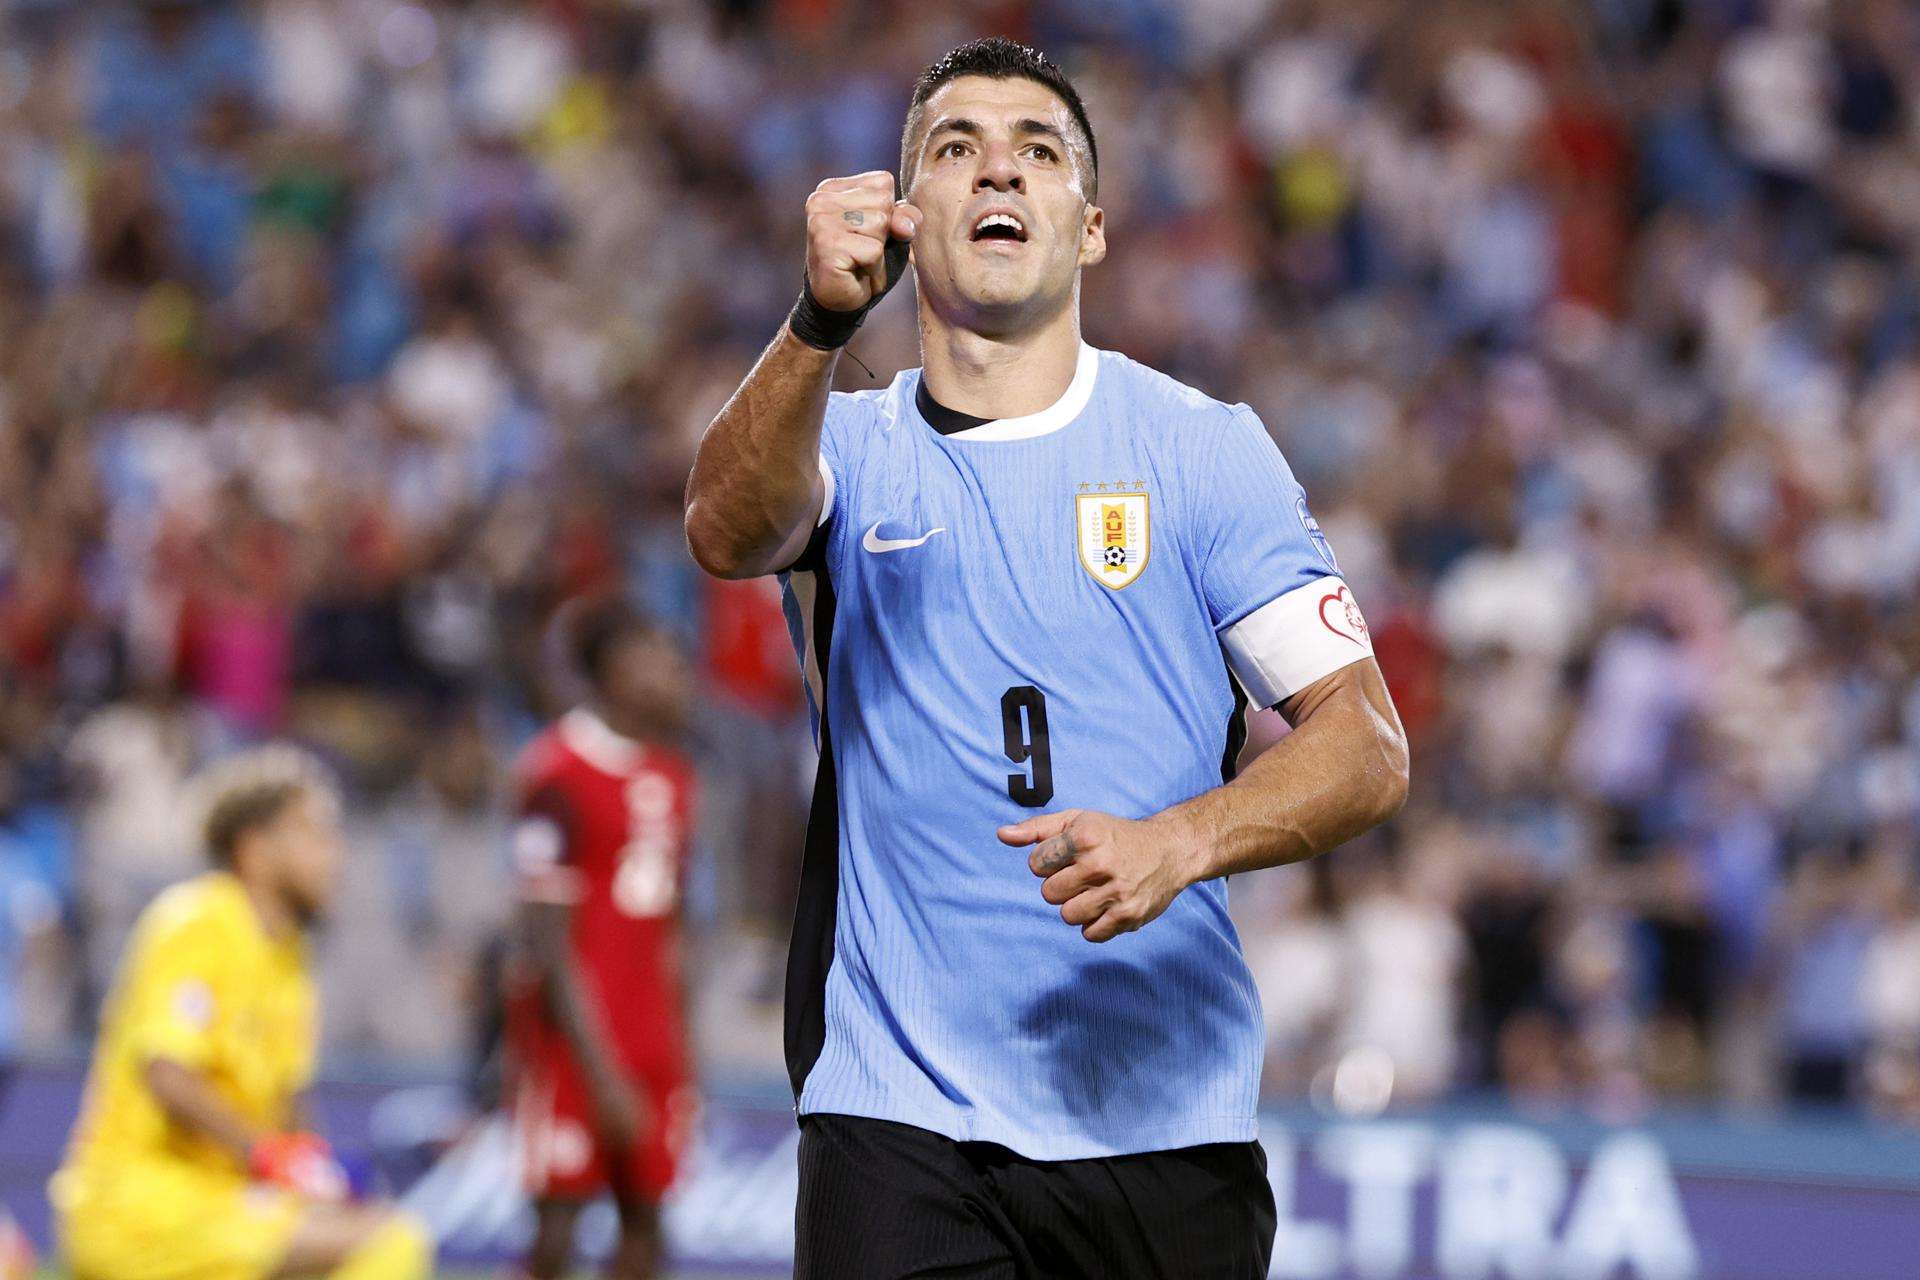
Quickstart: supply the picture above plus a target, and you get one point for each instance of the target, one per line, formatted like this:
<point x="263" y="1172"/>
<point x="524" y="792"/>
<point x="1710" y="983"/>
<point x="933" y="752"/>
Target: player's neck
<point x="277" y="919"/>
<point x="632" y="728"/>
<point x="1003" y="376"/>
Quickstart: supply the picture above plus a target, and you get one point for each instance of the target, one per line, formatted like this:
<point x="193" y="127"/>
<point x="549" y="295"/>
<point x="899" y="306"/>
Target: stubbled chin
<point x="999" y="273"/>
<point x="1001" y="294"/>
<point x="1002" y="266"/>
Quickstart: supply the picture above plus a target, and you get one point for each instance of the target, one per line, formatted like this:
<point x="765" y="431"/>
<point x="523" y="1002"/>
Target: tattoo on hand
<point x="1063" y="851"/>
<point x="855" y="216"/>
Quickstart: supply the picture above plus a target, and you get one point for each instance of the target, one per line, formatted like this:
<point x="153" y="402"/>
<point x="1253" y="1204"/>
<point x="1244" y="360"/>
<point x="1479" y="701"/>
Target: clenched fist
<point x="849" y="222"/>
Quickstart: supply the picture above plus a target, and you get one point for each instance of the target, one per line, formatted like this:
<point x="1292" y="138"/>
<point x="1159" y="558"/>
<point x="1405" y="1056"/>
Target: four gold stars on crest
<point x="1103" y="486"/>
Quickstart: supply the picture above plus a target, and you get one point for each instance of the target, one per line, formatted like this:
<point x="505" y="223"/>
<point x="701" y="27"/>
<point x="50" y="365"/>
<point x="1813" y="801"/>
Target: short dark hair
<point x="997" y="58"/>
<point x="598" y="628"/>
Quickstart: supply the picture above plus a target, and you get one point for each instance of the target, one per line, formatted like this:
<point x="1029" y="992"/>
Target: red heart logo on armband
<point x="1350" y="625"/>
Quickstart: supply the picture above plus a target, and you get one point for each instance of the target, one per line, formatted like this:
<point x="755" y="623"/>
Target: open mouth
<point x="1000" y="226"/>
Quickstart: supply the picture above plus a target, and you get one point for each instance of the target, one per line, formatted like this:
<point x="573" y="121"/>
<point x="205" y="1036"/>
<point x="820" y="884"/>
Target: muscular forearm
<point x="191" y="1103"/>
<point x="756" y="487"/>
<point x="1340" y="772"/>
<point x="756" y="492"/>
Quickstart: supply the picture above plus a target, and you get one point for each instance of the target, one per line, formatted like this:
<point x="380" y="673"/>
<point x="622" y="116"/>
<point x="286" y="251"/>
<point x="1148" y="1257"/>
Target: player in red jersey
<point x="603" y="1096"/>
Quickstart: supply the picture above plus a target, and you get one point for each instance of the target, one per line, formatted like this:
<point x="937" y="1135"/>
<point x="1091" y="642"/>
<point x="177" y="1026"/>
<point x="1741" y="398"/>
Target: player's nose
<point x="999" y="171"/>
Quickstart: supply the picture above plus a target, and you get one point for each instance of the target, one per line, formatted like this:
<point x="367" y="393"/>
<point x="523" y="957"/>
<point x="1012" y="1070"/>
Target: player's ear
<point x="1093" y="235"/>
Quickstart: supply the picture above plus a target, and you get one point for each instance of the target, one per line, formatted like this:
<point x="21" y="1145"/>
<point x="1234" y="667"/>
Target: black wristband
<point x="825" y="329"/>
<point x="822" y="327"/>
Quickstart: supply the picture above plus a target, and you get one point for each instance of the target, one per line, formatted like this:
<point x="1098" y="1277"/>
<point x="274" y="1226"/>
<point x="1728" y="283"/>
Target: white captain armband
<point x="1293" y="640"/>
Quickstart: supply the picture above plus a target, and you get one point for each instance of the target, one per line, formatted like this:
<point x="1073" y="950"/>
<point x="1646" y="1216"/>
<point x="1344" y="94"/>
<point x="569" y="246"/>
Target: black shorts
<point x="885" y="1201"/>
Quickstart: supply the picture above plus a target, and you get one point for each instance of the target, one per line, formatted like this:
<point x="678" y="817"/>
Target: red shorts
<point x="561" y="1156"/>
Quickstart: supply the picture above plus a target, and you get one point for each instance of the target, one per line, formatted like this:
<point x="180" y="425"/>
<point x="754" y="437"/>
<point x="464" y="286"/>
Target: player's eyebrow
<point x="955" y="124"/>
<point x="1026" y="127"/>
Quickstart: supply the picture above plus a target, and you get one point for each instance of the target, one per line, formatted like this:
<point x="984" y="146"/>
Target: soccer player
<point x="1033" y="586"/>
<point x="603" y="1098"/>
<point x="191" y="1159"/>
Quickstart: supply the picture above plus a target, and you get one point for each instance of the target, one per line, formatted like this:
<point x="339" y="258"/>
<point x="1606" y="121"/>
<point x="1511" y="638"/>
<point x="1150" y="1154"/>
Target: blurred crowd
<point x="343" y="342"/>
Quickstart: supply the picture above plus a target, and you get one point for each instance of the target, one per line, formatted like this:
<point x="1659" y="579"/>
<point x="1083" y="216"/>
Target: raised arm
<point x="756" y="490"/>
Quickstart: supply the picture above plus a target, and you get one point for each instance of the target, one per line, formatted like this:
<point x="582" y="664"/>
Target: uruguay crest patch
<point x="1115" y="536"/>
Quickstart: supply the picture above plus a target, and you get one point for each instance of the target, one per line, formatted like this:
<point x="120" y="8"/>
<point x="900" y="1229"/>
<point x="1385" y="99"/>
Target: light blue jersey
<point x="1066" y="610"/>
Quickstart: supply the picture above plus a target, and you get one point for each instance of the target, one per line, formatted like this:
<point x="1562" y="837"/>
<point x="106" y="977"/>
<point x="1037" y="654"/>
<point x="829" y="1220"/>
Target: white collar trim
<point x="1050" y="419"/>
<point x="596" y="742"/>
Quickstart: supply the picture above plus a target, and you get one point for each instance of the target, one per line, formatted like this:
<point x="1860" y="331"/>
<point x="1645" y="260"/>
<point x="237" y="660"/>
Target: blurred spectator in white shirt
<point x="130" y="762"/>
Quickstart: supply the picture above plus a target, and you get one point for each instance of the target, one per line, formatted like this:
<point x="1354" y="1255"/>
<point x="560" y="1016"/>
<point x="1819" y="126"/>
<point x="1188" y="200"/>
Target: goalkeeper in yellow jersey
<point x="190" y="1160"/>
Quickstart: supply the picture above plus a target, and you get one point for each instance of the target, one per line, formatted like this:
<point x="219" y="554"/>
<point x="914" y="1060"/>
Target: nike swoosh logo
<point x="873" y="542"/>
